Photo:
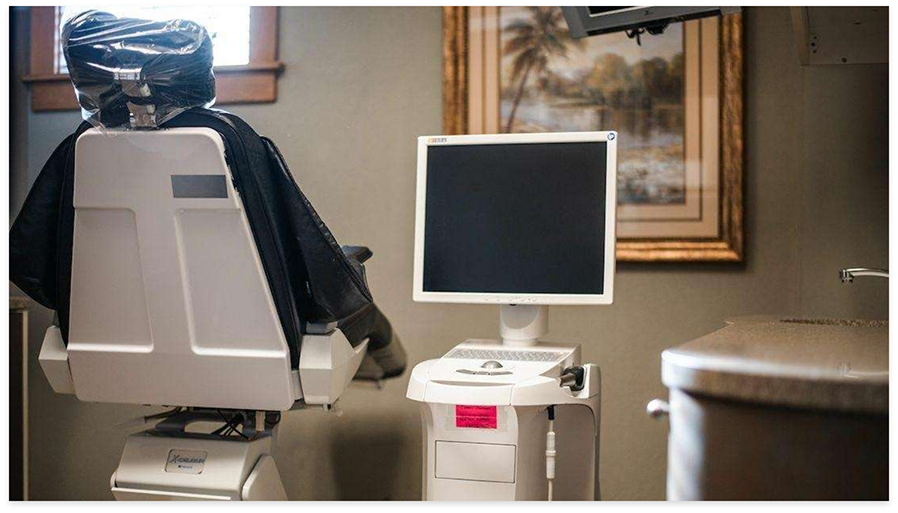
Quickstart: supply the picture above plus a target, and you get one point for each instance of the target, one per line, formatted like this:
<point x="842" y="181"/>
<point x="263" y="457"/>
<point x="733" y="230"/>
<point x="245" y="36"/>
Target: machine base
<point x="189" y="466"/>
<point x="484" y="415"/>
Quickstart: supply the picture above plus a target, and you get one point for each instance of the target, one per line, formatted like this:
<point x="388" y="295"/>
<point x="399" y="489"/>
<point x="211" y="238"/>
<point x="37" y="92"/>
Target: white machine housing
<point x="513" y="382"/>
<point x="503" y="455"/>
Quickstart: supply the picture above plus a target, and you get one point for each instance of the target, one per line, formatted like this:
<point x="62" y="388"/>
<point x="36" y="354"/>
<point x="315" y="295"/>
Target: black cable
<point x="232" y="425"/>
<point x="226" y="425"/>
<point x="235" y="430"/>
<point x="635" y="34"/>
<point x="219" y="430"/>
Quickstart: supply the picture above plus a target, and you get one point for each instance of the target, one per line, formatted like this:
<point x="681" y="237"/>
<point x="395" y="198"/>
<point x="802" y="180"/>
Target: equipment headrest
<point x="133" y="73"/>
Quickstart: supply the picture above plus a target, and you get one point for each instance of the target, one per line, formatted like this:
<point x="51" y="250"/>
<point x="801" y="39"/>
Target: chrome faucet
<point x="848" y="275"/>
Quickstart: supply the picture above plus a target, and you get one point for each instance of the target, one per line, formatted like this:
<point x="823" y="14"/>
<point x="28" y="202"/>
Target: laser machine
<point x="522" y="221"/>
<point x="187" y="269"/>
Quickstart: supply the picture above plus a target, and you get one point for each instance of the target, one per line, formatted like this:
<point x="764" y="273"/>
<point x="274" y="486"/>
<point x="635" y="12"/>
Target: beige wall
<point x="360" y="85"/>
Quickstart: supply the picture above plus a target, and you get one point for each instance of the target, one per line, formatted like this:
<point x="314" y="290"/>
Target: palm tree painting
<point x="530" y="44"/>
<point x="550" y="82"/>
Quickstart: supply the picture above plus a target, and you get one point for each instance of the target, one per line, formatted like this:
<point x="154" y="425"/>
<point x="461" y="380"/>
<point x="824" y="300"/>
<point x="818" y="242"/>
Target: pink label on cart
<point x="483" y="417"/>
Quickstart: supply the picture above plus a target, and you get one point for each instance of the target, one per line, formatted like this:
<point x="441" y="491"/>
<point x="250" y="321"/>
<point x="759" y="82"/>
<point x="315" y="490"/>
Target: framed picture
<point x="675" y="99"/>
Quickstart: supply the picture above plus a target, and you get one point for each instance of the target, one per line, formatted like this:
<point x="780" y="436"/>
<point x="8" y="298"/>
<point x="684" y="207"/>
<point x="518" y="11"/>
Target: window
<point x="227" y="25"/>
<point x="244" y="44"/>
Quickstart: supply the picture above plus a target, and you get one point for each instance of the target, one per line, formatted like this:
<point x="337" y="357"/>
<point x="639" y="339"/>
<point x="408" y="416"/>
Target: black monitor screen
<point x="515" y="218"/>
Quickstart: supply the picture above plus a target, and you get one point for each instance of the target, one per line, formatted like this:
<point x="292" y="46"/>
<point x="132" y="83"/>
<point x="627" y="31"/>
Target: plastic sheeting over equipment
<point x="131" y="73"/>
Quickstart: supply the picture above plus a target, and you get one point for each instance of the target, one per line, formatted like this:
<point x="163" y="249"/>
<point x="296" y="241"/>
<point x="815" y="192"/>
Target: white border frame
<point x="606" y="298"/>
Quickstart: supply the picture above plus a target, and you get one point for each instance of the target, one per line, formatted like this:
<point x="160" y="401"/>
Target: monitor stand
<point x="523" y="325"/>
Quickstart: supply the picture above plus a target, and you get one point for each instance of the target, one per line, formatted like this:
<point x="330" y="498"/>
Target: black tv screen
<point x="515" y="218"/>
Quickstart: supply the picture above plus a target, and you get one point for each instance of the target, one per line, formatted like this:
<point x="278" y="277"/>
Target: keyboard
<point x="507" y="355"/>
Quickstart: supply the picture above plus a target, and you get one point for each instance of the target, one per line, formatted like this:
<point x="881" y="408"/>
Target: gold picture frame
<point x="727" y="245"/>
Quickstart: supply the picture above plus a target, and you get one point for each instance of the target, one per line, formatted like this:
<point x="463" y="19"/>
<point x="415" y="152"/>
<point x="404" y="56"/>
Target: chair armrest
<point x="358" y="253"/>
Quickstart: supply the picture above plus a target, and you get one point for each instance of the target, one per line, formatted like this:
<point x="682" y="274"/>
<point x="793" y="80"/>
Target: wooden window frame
<point x="255" y="82"/>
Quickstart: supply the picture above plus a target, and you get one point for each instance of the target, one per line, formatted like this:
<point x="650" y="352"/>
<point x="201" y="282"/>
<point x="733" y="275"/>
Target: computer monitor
<point x="516" y="219"/>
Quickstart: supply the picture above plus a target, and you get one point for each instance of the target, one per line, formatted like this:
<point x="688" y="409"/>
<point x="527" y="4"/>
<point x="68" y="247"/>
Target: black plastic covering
<point x="131" y="73"/>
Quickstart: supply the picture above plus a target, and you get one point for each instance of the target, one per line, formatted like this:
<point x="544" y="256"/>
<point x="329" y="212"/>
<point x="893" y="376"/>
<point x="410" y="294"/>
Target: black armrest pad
<point x="385" y="352"/>
<point x="358" y="253"/>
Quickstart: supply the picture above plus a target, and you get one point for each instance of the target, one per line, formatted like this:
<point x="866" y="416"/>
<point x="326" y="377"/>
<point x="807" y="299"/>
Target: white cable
<point x="550" y="456"/>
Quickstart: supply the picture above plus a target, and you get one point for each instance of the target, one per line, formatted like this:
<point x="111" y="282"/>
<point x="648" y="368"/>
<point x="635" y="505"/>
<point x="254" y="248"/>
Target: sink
<point x="854" y="323"/>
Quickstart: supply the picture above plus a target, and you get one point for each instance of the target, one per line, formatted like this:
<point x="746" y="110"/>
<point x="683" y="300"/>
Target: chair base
<point x="190" y="466"/>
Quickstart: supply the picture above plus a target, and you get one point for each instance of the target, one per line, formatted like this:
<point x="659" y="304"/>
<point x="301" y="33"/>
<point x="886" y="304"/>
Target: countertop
<point x="828" y="364"/>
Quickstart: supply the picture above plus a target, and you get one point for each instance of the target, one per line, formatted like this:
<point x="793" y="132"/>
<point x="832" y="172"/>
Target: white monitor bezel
<point x="606" y="298"/>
